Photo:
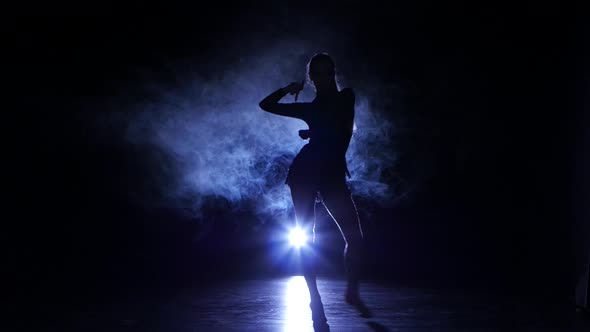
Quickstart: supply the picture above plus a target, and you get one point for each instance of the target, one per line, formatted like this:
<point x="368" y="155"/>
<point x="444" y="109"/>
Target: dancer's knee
<point x="354" y="241"/>
<point x="354" y="250"/>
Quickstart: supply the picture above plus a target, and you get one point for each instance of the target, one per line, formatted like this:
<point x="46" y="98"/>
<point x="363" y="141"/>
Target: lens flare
<point x="297" y="237"/>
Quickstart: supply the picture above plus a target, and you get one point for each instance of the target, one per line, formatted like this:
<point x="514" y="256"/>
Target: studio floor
<point x="282" y="304"/>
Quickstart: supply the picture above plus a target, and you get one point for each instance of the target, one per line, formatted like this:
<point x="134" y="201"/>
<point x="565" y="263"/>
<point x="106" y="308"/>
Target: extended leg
<point x="304" y="204"/>
<point x="342" y="209"/>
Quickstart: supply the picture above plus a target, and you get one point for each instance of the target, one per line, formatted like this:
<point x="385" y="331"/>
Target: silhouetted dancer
<point x="319" y="172"/>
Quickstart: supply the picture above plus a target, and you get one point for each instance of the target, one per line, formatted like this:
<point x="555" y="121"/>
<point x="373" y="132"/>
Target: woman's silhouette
<point x="319" y="172"/>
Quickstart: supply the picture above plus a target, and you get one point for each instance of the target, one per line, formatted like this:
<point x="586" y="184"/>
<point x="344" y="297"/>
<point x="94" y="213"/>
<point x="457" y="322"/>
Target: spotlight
<point x="297" y="237"/>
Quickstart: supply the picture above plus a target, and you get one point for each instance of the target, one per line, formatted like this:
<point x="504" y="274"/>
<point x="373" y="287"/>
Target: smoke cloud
<point x="209" y="139"/>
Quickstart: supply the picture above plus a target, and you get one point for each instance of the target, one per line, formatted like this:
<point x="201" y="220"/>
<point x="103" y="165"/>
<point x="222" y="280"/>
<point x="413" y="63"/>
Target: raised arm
<point x="271" y="102"/>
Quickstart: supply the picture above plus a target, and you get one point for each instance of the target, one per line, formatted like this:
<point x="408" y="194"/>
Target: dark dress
<point x="321" y="163"/>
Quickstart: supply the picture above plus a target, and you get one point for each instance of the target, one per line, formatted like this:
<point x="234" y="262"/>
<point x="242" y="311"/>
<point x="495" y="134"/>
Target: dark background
<point x="494" y="107"/>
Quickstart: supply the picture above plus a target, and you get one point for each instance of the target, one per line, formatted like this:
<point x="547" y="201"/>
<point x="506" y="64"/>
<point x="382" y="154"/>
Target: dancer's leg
<point x="339" y="204"/>
<point x="304" y="204"/>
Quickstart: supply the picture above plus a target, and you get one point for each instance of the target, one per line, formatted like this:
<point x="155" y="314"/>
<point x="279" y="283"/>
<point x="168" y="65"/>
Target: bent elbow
<point x="266" y="106"/>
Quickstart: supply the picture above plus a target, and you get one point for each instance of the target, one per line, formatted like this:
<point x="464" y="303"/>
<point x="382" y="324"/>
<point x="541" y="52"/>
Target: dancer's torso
<point x="330" y="119"/>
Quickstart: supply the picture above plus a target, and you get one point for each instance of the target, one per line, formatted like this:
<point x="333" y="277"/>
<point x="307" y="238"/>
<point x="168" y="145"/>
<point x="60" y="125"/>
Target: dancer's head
<point x="321" y="71"/>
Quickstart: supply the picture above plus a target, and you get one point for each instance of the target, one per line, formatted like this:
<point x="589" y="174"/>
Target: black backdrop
<point x="499" y="216"/>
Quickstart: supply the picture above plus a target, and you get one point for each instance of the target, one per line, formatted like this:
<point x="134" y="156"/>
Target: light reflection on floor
<point x="282" y="304"/>
<point x="297" y="313"/>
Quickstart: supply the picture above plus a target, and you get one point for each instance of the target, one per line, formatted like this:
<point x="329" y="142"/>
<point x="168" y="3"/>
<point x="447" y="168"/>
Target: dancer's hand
<point x="294" y="88"/>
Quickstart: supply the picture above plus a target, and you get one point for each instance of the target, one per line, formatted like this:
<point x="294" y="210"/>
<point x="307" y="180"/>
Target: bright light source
<point x="297" y="237"/>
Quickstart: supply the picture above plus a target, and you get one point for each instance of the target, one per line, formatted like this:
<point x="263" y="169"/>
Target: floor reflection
<point x="298" y="313"/>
